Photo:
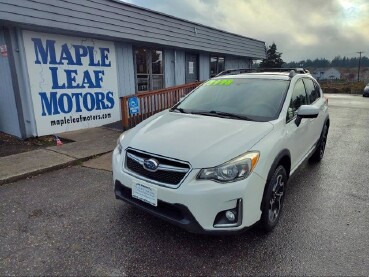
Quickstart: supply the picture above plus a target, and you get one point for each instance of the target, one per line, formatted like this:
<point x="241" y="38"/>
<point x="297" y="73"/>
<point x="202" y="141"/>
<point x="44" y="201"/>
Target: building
<point x="64" y="64"/>
<point x="326" y="74"/>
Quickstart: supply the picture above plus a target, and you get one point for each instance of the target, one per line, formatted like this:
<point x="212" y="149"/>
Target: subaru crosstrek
<point x="219" y="160"/>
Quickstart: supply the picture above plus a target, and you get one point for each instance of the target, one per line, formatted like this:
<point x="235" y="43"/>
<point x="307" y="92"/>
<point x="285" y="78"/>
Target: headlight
<point x="234" y="170"/>
<point x="119" y="145"/>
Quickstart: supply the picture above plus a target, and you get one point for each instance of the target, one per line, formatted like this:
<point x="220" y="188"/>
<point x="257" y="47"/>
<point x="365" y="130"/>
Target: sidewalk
<point x="88" y="143"/>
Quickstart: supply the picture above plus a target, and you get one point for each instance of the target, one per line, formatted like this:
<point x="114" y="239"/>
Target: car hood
<point x="203" y="141"/>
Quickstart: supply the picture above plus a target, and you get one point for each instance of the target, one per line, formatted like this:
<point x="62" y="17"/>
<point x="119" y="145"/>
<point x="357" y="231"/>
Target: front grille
<point x="171" y="173"/>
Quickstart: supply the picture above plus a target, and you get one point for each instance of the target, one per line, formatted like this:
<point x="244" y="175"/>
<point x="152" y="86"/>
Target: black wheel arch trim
<point x="327" y="122"/>
<point x="281" y="155"/>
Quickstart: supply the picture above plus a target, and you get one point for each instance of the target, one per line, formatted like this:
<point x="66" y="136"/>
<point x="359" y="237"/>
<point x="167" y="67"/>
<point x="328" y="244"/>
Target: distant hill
<point x="337" y="62"/>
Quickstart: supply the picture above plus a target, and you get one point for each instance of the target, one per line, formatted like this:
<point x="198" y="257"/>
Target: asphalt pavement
<point x="67" y="222"/>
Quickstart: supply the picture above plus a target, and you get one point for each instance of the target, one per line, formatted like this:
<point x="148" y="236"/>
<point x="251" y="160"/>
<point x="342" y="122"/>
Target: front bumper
<point x="195" y="205"/>
<point x="176" y="214"/>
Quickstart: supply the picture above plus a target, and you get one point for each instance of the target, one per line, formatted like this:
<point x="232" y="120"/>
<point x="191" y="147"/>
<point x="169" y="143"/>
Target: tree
<point x="273" y="58"/>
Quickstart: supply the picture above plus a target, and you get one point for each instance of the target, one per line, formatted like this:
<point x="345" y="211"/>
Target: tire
<point x="273" y="198"/>
<point x="320" y="149"/>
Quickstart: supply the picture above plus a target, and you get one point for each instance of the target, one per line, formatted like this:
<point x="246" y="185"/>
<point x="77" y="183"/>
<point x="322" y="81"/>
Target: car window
<point x="312" y="90"/>
<point x="298" y="98"/>
<point x="255" y="98"/>
<point x="317" y="89"/>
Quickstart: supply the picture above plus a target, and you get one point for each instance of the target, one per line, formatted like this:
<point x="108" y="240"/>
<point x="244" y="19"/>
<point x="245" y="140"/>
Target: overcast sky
<point x="301" y="29"/>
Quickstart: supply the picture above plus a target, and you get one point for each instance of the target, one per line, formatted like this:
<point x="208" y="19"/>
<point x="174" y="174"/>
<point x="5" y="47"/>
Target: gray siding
<point x="126" y="71"/>
<point x="169" y="68"/>
<point x="23" y="81"/>
<point x="108" y="18"/>
<point x="180" y="67"/>
<point x="244" y="63"/>
<point x="9" y="122"/>
<point x="204" y="61"/>
<point x="232" y="62"/>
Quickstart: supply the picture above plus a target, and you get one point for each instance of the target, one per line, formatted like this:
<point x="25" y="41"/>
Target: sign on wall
<point x="73" y="82"/>
<point x="134" y="106"/>
<point x="3" y="50"/>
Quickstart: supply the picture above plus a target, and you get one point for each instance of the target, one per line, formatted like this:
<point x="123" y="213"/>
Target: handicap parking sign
<point x="134" y="107"/>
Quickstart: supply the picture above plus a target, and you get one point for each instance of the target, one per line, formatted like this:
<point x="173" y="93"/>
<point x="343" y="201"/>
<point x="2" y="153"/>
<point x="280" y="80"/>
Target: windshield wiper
<point x="178" y="109"/>
<point x="224" y="115"/>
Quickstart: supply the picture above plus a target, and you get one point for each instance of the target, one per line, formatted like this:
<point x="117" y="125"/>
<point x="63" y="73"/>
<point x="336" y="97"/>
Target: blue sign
<point x="134" y="107"/>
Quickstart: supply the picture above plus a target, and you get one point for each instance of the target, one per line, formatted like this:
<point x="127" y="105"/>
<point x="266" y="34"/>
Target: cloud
<point x="301" y="29"/>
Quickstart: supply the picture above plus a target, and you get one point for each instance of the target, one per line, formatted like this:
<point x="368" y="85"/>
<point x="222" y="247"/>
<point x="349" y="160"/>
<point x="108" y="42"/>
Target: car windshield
<point x="251" y="99"/>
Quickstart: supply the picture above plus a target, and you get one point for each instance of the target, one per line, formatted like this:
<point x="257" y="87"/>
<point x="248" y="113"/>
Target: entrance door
<point x="192" y="68"/>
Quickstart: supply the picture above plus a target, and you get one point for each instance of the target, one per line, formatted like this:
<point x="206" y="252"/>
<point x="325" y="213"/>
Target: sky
<point x="301" y="29"/>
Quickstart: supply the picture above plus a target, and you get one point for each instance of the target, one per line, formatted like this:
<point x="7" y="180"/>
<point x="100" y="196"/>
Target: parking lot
<point x="67" y="222"/>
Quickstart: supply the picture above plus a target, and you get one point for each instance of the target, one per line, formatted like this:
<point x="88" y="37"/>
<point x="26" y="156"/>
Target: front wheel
<point x="273" y="199"/>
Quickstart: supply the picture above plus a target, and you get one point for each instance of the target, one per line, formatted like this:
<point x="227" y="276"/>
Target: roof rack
<point x="298" y="70"/>
<point x="237" y="71"/>
<point x="292" y="71"/>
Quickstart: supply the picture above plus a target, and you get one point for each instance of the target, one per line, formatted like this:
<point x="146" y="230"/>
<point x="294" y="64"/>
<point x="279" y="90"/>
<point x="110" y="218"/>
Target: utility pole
<point x="358" y="70"/>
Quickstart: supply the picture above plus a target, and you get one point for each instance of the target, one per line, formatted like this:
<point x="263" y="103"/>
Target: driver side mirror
<point x="306" y="111"/>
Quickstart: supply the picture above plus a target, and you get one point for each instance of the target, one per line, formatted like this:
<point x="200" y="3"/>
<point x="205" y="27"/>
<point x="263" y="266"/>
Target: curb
<point x="48" y="169"/>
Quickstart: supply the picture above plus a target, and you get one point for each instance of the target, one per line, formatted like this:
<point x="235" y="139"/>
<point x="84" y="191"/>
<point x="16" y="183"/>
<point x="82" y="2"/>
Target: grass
<point x="342" y="87"/>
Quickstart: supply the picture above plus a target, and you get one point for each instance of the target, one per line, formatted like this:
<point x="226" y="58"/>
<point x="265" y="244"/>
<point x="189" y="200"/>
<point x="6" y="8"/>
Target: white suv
<point x="220" y="159"/>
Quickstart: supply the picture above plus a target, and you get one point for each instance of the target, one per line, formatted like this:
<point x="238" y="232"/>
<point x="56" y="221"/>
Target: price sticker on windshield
<point x="219" y="82"/>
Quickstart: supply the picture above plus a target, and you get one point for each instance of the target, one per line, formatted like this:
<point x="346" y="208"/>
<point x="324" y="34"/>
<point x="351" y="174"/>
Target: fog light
<point x="230" y="216"/>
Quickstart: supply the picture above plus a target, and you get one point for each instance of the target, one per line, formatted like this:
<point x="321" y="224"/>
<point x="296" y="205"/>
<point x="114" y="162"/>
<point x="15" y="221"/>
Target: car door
<point x="315" y="99"/>
<point x="297" y="136"/>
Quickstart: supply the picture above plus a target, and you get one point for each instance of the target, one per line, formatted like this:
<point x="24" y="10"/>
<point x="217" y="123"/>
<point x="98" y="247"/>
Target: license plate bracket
<point x="145" y="193"/>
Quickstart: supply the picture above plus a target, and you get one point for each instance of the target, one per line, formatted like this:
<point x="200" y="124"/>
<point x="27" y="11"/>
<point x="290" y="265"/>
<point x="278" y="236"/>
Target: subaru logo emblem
<point x="151" y="164"/>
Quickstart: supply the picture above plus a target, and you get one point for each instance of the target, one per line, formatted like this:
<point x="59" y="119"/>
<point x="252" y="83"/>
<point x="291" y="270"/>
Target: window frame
<point x="217" y="64"/>
<point x="316" y="86"/>
<point x="288" y="120"/>
<point x="150" y="71"/>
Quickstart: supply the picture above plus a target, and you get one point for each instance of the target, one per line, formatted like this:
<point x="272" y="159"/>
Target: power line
<point x="358" y="70"/>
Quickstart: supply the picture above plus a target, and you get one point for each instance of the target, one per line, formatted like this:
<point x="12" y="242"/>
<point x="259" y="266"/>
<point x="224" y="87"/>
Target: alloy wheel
<point x="276" y="200"/>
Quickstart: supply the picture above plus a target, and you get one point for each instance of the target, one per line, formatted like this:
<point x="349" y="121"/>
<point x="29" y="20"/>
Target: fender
<point x="283" y="153"/>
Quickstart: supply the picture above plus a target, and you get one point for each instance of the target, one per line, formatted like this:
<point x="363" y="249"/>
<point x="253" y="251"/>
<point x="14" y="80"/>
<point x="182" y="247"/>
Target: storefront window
<point x="149" y="69"/>
<point x="216" y="65"/>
